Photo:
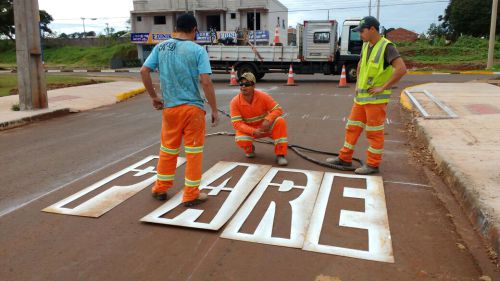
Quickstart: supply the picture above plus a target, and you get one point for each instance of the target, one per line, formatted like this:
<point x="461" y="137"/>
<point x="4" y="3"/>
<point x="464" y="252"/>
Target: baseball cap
<point x="249" y="77"/>
<point x="367" y="22"/>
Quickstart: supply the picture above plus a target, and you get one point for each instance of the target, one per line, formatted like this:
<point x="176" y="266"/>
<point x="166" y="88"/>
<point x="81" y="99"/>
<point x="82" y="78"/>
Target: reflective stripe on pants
<point x="188" y="122"/>
<point x="371" y="117"/>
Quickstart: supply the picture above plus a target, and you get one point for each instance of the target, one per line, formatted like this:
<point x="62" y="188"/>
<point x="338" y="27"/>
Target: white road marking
<point x="408" y="183"/>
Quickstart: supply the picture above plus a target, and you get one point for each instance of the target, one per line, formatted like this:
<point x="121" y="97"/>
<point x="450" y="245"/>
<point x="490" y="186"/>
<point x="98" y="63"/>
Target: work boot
<point x="251" y="154"/>
<point x="162" y="196"/>
<point x="366" y="170"/>
<point x="201" y="198"/>
<point x="338" y="162"/>
<point x="281" y="160"/>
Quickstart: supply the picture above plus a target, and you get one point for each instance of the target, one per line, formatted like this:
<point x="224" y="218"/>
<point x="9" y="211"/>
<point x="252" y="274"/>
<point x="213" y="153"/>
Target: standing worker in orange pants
<point x="182" y="64"/>
<point x="255" y="114"/>
<point x="379" y="68"/>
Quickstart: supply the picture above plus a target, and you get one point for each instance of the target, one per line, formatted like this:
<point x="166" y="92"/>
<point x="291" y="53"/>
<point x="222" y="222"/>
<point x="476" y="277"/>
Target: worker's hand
<point x="157" y="103"/>
<point x="266" y="126"/>
<point x="215" y="118"/>
<point x="258" y="133"/>
<point x="376" y="90"/>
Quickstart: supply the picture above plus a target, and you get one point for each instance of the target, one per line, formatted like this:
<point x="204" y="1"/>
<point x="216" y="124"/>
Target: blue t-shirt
<point x="180" y="63"/>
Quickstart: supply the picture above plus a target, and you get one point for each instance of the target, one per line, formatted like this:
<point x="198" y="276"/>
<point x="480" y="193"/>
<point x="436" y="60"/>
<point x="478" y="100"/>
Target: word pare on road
<point x="245" y="186"/>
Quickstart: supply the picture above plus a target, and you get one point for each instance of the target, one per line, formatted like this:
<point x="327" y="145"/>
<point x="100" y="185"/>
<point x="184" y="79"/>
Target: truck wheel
<point x="351" y="73"/>
<point x="244" y="68"/>
<point x="260" y="75"/>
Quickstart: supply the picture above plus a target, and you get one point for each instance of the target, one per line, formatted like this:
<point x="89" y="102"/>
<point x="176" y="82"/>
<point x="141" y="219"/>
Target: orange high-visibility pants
<point x="278" y="134"/>
<point x="370" y="117"/>
<point x="181" y="121"/>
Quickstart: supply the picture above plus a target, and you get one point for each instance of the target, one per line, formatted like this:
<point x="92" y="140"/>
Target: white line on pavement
<point x="408" y="183"/>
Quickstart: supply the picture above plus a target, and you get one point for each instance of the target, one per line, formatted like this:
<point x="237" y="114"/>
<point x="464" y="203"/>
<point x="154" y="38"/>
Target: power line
<point x="306" y="10"/>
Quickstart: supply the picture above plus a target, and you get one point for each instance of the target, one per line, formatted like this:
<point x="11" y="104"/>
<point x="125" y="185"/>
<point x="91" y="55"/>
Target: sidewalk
<point x="66" y="100"/>
<point x="467" y="149"/>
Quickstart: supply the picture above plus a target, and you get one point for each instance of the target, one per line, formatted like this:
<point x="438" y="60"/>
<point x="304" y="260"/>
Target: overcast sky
<point x="415" y="15"/>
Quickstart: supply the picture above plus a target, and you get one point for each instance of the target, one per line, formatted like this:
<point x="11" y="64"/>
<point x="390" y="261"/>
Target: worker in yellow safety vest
<point x="379" y="68"/>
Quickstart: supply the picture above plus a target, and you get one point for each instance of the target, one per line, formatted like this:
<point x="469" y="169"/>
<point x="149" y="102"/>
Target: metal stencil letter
<point x="301" y="209"/>
<point x="374" y="219"/>
<point x="113" y="196"/>
<point x="253" y="173"/>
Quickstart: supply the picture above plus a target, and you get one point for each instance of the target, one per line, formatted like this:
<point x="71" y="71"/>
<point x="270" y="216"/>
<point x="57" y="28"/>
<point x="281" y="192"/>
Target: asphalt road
<point x="45" y="162"/>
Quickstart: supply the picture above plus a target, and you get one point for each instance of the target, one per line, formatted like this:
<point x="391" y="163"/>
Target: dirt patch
<point x="54" y="86"/>
<point x="440" y="66"/>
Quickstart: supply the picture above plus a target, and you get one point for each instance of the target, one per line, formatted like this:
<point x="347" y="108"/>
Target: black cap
<point x="367" y="22"/>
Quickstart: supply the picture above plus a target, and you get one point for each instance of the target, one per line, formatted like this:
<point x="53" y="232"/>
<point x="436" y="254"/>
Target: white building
<point x="154" y="20"/>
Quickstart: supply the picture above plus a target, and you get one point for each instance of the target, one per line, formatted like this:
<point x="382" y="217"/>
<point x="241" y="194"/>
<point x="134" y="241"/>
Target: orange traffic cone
<point x="343" y="81"/>
<point x="233" y="81"/>
<point x="277" y="35"/>
<point x="291" y="81"/>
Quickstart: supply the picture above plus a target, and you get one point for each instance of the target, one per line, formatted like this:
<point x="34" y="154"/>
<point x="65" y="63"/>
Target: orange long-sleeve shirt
<point x="248" y="117"/>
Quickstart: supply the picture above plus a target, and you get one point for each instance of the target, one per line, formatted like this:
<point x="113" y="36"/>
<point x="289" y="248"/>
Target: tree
<point x="7" y="20"/>
<point x="468" y="17"/>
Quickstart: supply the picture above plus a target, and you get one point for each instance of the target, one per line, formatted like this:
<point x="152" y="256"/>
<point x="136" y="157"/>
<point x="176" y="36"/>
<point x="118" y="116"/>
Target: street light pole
<point x="83" y="20"/>
<point x="491" y="47"/>
<point x="370" y="7"/>
<point x="378" y="10"/>
<point x="84" y="32"/>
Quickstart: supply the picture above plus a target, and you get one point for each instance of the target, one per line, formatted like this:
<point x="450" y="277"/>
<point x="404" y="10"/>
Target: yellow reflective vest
<point x="372" y="74"/>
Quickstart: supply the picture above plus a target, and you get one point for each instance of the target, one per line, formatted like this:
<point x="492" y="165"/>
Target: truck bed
<point x="245" y="53"/>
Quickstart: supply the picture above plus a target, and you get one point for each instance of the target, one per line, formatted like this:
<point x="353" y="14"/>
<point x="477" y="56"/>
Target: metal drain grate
<point x="449" y="113"/>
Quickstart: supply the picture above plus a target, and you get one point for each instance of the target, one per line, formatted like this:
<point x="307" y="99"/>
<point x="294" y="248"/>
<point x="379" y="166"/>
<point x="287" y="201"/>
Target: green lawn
<point x="73" y="56"/>
<point x="9" y="82"/>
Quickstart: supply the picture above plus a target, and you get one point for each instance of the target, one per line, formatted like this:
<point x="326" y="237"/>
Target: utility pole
<point x="491" y="48"/>
<point x="370" y="7"/>
<point x="30" y="72"/>
<point x="186" y="4"/>
<point x="107" y="29"/>
<point x="378" y="10"/>
<point x="255" y="27"/>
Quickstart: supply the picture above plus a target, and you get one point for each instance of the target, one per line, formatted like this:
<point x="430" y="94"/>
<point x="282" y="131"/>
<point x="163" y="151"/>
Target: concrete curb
<point x="478" y="72"/>
<point x="126" y="95"/>
<point x="64" y="111"/>
<point x="459" y="184"/>
<point x="38" y="117"/>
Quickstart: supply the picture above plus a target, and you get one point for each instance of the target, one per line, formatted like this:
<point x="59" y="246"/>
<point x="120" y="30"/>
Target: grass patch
<point x="73" y="56"/>
<point x="465" y="50"/>
<point x="8" y="82"/>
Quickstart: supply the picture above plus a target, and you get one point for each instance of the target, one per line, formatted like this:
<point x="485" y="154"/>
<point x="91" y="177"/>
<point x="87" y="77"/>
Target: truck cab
<point x="350" y="45"/>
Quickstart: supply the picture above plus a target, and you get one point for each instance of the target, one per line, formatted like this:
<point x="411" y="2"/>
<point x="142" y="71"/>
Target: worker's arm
<point x="275" y="111"/>
<point x="237" y="121"/>
<point x="148" y="84"/>
<point x="399" y="72"/>
<point x="208" y="89"/>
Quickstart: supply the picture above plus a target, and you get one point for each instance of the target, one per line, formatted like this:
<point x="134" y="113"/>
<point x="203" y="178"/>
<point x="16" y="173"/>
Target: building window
<point x="283" y="24"/>
<point x="233" y="16"/>
<point x="139" y="18"/>
<point x="160" y="20"/>
<point x="321" y="37"/>
<point x="250" y="21"/>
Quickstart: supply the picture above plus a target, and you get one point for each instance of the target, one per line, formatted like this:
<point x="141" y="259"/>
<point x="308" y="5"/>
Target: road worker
<point x="182" y="65"/>
<point x="379" y="68"/>
<point x="255" y="114"/>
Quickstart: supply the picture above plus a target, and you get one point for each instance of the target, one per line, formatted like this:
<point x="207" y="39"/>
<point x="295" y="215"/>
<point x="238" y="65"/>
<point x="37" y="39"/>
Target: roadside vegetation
<point x="8" y="82"/>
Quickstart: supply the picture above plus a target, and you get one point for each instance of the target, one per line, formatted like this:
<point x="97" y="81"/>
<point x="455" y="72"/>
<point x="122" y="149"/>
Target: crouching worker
<point x="254" y="115"/>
